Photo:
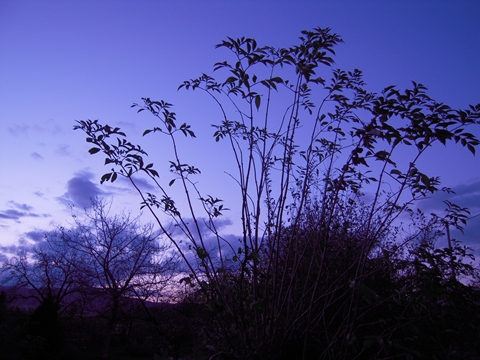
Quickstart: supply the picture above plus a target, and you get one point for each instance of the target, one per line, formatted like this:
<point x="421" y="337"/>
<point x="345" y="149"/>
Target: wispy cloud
<point x="24" y="207"/>
<point x="50" y="126"/>
<point x="465" y="195"/>
<point x="19" y="129"/>
<point x="140" y="182"/>
<point x="12" y="214"/>
<point x="16" y="211"/>
<point x="63" y="150"/>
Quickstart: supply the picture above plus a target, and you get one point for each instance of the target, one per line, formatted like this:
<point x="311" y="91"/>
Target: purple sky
<point x="62" y="61"/>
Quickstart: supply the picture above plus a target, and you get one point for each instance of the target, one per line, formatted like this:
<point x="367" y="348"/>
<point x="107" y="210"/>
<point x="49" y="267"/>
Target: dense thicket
<point x="325" y="171"/>
<point x="406" y="307"/>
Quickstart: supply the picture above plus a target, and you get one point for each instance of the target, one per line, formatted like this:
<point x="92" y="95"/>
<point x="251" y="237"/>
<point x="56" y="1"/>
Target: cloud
<point x="10" y="250"/>
<point x="24" y="207"/>
<point x="26" y="242"/>
<point x="63" y="150"/>
<point x="80" y="190"/>
<point x="12" y="214"/>
<point x="466" y="195"/>
<point x="19" y="129"/>
<point x="85" y="185"/>
<point x="37" y="236"/>
<point x="211" y="243"/>
<point x="17" y="211"/>
<point x="127" y="124"/>
<point x="16" y="249"/>
<point x="50" y="126"/>
<point x="142" y="183"/>
<point x="35" y="155"/>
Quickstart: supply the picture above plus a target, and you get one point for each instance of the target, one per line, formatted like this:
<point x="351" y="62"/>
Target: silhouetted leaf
<point x="94" y="150"/>
<point x="257" y="101"/>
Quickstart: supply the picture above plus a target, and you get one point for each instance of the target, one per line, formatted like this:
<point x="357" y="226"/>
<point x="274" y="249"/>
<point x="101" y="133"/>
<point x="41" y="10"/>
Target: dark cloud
<point x="35" y="155"/>
<point x="37" y="236"/>
<point x="85" y="185"/>
<point x="227" y="242"/>
<point x="13" y="214"/>
<point x="471" y="233"/>
<point x="465" y="195"/>
<point x="81" y="190"/>
<point x="27" y="242"/>
<point x="9" y="249"/>
<point x="24" y="207"/>
<point x="15" y="249"/>
<point x="17" y="211"/>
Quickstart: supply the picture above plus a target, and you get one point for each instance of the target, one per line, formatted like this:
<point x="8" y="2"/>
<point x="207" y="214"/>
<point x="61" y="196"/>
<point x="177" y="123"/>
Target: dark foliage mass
<point x="334" y="259"/>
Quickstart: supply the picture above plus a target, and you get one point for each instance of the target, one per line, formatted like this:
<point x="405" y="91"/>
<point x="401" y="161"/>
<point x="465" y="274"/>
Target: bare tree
<point x="108" y="259"/>
<point x="49" y="276"/>
<point x="117" y="258"/>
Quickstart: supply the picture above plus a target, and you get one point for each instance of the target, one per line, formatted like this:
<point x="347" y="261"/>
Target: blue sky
<point x="62" y="61"/>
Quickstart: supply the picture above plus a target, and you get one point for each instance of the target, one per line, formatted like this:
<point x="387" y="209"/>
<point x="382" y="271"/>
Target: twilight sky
<point x="62" y="61"/>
